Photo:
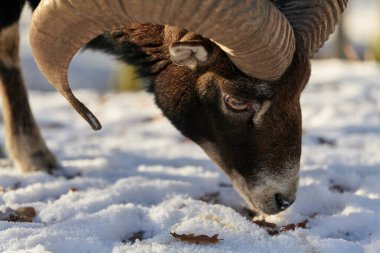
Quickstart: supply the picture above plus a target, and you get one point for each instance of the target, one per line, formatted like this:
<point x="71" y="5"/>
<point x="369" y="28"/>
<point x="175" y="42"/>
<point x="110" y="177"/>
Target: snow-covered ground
<point x="138" y="178"/>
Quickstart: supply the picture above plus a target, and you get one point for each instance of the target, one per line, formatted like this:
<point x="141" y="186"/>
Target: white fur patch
<point x="228" y="50"/>
<point x="257" y="119"/>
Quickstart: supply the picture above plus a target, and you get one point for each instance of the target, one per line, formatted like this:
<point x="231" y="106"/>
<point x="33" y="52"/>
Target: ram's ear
<point x="190" y="53"/>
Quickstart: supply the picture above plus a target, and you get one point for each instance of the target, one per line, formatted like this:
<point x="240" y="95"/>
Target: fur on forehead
<point x="248" y="88"/>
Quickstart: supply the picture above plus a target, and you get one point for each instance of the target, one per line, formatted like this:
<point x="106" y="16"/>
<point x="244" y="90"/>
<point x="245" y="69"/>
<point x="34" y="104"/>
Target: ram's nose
<point x="283" y="202"/>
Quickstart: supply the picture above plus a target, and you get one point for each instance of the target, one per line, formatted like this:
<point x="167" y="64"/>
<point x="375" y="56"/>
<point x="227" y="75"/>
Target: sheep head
<point x="249" y="127"/>
<point x="234" y="82"/>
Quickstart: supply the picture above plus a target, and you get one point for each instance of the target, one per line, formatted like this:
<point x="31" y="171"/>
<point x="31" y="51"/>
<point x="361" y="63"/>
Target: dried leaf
<point x="27" y="211"/>
<point x="204" y="239"/>
<point x="73" y="189"/>
<point x="264" y="224"/>
<point x="273" y="231"/>
<point x="23" y="214"/>
<point x="272" y="228"/>
<point x="293" y="226"/>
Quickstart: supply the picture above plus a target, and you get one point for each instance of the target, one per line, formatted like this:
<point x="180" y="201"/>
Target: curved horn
<point x="255" y="34"/>
<point x="313" y="21"/>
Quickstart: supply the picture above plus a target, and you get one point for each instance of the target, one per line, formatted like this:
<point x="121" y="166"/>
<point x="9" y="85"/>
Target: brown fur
<point x="258" y="148"/>
<point x="261" y="159"/>
<point x="24" y="143"/>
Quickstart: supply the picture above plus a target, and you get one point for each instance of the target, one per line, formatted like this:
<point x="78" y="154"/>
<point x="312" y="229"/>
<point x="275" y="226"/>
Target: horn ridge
<point x="313" y="21"/>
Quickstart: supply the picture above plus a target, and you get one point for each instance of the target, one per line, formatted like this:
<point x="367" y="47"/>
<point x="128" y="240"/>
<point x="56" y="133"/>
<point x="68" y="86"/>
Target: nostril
<point x="282" y="202"/>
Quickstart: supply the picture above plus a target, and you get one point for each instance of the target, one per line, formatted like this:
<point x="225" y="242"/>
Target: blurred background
<point x="356" y="39"/>
<point x="358" y="36"/>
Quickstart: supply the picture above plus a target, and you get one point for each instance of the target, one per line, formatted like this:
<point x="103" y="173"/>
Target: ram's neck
<point x="141" y="45"/>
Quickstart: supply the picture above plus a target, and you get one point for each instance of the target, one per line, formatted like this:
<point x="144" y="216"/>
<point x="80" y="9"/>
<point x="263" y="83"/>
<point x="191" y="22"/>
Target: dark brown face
<point x="250" y="128"/>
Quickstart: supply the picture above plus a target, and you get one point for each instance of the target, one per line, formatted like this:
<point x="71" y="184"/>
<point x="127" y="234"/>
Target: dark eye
<point x="237" y="104"/>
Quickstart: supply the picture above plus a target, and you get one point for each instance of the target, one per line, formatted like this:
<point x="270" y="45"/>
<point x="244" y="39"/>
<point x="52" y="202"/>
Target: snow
<point x="140" y="176"/>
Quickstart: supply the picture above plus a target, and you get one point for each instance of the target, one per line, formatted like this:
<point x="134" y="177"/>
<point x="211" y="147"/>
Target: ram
<point x="228" y="74"/>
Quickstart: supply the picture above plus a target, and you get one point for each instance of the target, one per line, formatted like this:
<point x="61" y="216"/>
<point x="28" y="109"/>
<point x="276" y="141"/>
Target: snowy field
<point x="138" y="180"/>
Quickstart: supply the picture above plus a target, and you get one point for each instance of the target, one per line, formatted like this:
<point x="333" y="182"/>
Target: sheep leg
<point x="24" y="144"/>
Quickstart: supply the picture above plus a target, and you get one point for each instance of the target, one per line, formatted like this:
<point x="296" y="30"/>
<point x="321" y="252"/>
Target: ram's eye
<point x="237" y="104"/>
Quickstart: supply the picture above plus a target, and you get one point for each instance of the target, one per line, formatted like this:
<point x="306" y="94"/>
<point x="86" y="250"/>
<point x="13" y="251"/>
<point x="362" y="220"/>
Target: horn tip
<point x="93" y="121"/>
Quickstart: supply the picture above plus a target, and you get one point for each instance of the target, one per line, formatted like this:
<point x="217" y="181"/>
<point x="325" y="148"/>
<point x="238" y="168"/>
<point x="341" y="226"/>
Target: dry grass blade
<point x="203" y="239"/>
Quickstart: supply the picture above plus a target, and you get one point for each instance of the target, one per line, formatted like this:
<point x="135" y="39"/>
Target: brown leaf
<point x="273" y="231"/>
<point x="22" y="214"/>
<point x="272" y="228"/>
<point x="293" y="226"/>
<point x="264" y="224"/>
<point x="204" y="239"/>
<point x="27" y="211"/>
<point x="73" y="189"/>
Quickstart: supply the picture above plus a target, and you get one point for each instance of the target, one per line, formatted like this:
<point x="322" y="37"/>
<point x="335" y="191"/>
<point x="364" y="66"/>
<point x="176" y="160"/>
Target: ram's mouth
<point x="269" y="196"/>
